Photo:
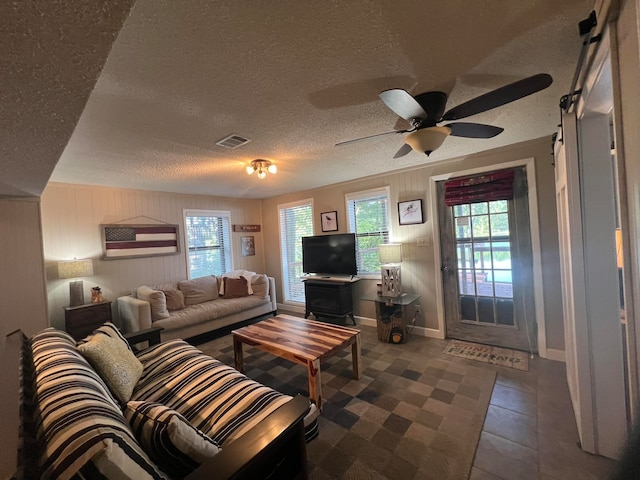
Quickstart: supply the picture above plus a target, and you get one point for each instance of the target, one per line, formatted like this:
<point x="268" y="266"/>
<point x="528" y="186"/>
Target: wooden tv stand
<point x="329" y="296"/>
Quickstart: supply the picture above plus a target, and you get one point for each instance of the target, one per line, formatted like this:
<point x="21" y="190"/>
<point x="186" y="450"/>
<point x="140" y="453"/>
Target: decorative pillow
<point x="199" y="290"/>
<point x="237" y="274"/>
<point x="260" y="285"/>
<point x="175" y="300"/>
<point x="235" y="287"/>
<point x="114" y="362"/>
<point x="168" y="438"/>
<point x="109" y="329"/>
<point x="156" y="299"/>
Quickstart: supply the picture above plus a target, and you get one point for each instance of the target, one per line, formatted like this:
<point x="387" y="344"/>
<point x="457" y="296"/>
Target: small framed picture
<point x="410" y="212"/>
<point x="329" y="221"/>
<point x="248" y="246"/>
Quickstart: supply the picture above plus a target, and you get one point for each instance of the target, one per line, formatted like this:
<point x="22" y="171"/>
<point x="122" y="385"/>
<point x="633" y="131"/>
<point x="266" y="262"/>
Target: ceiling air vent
<point x="233" y="141"/>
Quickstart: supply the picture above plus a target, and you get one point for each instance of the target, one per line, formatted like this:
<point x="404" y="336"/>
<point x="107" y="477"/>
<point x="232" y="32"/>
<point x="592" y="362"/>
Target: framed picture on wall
<point x="410" y="212"/>
<point x="248" y="246"/>
<point x="329" y="221"/>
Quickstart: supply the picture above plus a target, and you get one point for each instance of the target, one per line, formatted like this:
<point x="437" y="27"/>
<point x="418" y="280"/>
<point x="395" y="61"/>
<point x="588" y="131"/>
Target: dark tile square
<point x="341" y="399"/>
<point x="387" y="402"/>
<point x="368" y="395"/>
<point x="411" y="374"/>
<point x="386" y="439"/>
<point x="442" y="395"/>
<point x="397" y="424"/>
<point x="345" y="418"/>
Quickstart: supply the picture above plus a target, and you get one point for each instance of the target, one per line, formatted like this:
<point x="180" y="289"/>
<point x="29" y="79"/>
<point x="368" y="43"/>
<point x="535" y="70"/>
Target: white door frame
<point x="529" y="165"/>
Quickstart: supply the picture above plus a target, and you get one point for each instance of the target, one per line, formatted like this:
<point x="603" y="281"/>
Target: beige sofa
<point x="206" y="307"/>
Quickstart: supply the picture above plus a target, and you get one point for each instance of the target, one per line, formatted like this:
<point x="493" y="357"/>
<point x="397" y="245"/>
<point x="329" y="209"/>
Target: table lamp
<point x="390" y="257"/>
<point x="74" y="269"/>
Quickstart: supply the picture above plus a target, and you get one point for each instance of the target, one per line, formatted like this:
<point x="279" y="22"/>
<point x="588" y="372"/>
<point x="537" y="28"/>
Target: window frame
<point x="227" y="249"/>
<point x="363" y="195"/>
<point x="285" y="274"/>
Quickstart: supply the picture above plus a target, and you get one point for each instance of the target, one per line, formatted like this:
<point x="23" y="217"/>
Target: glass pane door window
<point x="483" y="252"/>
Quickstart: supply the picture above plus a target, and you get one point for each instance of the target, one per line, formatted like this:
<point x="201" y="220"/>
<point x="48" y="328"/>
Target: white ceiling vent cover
<point x="233" y="141"/>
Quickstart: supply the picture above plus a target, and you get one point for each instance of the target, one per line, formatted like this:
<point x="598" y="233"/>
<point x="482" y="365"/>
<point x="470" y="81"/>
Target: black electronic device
<point x="329" y="254"/>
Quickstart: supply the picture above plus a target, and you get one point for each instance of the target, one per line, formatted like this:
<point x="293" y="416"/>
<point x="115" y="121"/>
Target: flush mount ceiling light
<point x="262" y="167"/>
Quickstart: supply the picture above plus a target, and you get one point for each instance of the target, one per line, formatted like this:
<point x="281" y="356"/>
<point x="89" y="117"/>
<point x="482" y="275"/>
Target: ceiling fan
<point x="426" y="110"/>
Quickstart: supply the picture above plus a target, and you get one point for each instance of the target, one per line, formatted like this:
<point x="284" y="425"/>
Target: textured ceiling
<point x="296" y="77"/>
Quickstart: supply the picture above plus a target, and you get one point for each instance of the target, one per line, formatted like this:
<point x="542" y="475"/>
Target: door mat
<point x="488" y="354"/>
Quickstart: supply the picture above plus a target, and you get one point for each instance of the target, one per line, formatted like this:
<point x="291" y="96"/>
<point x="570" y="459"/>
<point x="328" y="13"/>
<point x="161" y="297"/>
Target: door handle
<point x="446" y="269"/>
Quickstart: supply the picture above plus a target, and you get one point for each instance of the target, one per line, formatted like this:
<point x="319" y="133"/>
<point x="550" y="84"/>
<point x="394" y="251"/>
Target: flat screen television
<point x="329" y="254"/>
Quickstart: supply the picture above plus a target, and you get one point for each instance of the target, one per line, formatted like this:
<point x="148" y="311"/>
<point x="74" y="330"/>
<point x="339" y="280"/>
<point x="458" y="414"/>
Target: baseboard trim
<point x="557" y="355"/>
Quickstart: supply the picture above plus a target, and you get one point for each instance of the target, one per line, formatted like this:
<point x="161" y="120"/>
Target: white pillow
<point x="157" y="300"/>
<point x="237" y="274"/>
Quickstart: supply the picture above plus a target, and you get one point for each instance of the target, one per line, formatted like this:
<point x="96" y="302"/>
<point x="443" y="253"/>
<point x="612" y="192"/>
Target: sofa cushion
<point x="199" y="290"/>
<point x="228" y="403"/>
<point x="235" y="287"/>
<point x="260" y="285"/>
<point x="156" y="299"/>
<point x="82" y="424"/>
<point x="175" y="300"/>
<point x="168" y="438"/>
<point x="114" y="362"/>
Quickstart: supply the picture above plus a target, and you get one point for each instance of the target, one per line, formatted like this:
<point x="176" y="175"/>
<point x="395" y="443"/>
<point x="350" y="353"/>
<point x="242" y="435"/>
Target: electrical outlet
<point x="423" y="241"/>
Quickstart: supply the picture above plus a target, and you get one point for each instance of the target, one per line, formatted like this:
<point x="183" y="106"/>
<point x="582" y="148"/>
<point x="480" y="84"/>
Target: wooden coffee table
<point x="302" y="341"/>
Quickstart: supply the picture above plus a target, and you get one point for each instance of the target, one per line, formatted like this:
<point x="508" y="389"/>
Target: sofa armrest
<point x="151" y="335"/>
<point x="272" y="293"/>
<point x="275" y="448"/>
<point x="135" y="314"/>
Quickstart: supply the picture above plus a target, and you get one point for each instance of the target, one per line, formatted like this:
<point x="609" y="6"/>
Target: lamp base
<point x="76" y="293"/>
<point x="391" y="281"/>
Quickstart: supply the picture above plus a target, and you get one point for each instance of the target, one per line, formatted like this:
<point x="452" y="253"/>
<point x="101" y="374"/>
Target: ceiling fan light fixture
<point x="426" y="140"/>
<point x="262" y="167"/>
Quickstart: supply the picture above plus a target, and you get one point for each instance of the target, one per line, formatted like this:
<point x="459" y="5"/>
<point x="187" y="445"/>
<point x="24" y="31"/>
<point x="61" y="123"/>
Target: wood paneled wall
<point x="23" y="302"/>
<point x="71" y="219"/>
<point x="419" y="271"/>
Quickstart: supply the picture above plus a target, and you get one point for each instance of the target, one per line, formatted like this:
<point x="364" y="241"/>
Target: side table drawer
<point x="82" y="320"/>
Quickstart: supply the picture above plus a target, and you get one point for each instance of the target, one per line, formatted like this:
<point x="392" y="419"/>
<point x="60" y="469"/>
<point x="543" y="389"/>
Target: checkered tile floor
<point x="415" y="413"/>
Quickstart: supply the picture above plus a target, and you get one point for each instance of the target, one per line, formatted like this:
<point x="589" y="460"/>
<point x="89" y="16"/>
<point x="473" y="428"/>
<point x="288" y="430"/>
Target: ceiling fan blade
<point x="404" y="149"/>
<point x="347" y="142"/>
<point x="500" y="96"/>
<point x="474" y="130"/>
<point x="402" y="103"/>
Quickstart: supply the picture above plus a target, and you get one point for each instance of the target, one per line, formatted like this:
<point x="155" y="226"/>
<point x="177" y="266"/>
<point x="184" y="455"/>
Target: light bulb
<point x="272" y="168"/>
<point x="262" y="174"/>
<point x="249" y="169"/>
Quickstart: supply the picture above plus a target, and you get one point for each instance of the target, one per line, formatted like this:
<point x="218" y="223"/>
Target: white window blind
<point x="208" y="240"/>
<point x="296" y="221"/>
<point x="368" y="216"/>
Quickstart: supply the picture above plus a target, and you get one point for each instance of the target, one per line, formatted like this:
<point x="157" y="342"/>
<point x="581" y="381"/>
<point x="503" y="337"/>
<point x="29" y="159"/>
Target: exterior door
<point x="487" y="269"/>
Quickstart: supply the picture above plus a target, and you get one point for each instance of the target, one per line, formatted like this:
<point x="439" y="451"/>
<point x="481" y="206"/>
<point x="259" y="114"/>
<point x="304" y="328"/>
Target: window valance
<point x="497" y="185"/>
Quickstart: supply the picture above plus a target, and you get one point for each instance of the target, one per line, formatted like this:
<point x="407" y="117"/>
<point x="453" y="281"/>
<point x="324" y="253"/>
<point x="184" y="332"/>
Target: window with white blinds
<point x="208" y="240"/>
<point x="296" y="221"/>
<point x="368" y="217"/>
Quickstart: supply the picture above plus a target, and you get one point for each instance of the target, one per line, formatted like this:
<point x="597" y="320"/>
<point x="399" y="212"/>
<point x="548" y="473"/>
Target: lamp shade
<point x="390" y="253"/>
<point x="75" y="268"/>
<point x="426" y="140"/>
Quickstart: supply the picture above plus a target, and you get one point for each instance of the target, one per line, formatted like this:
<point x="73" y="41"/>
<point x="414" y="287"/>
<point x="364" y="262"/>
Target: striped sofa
<point x="74" y="427"/>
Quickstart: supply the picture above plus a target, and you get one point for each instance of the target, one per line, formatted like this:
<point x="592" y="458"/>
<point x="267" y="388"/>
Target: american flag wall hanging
<point x="127" y="241"/>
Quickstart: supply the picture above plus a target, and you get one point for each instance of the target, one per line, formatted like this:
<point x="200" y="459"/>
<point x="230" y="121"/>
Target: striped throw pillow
<point x="168" y="438"/>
